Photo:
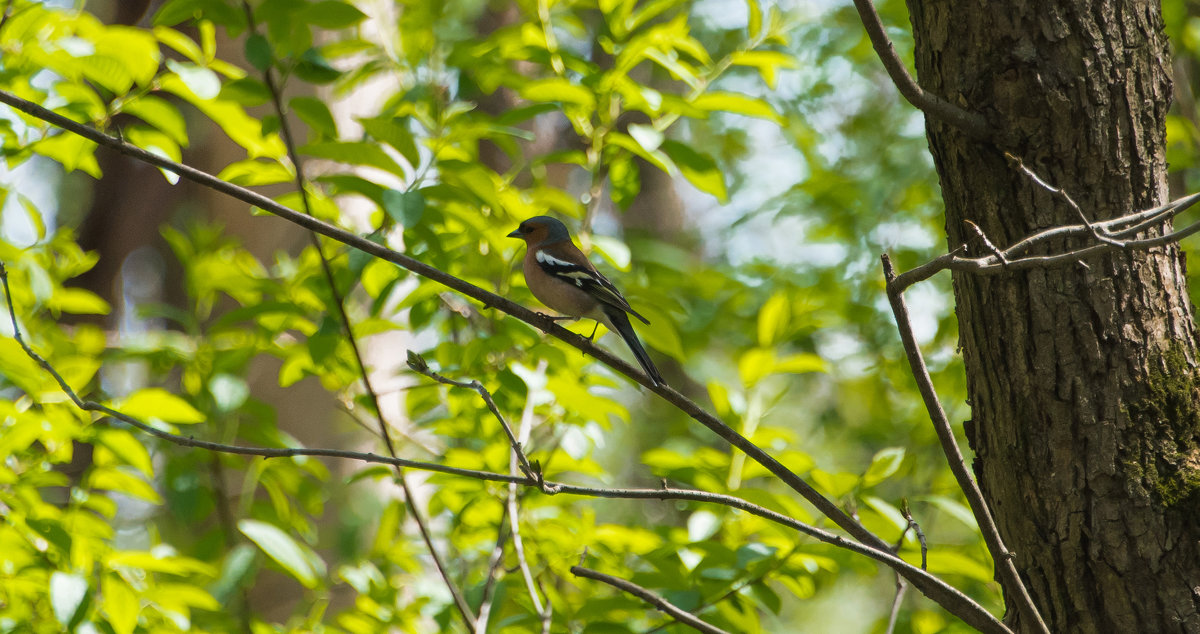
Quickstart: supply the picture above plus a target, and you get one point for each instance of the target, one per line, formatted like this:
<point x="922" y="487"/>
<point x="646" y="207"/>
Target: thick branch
<point x="1009" y="578"/>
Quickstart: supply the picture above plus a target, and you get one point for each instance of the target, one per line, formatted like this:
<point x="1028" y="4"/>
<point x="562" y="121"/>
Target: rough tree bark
<point x="1082" y="380"/>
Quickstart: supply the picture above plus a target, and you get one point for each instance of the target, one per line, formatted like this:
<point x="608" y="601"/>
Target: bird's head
<point x="541" y="229"/>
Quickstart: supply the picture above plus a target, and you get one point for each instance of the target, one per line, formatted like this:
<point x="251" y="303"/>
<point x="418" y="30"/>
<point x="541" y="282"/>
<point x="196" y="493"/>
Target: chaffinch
<point x="562" y="277"/>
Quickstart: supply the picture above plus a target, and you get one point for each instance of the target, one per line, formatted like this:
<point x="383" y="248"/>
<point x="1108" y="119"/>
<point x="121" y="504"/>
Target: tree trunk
<point x="1082" y="377"/>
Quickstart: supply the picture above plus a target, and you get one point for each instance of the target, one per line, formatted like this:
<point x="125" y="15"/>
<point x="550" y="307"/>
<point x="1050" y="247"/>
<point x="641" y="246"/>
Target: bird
<point x="562" y="278"/>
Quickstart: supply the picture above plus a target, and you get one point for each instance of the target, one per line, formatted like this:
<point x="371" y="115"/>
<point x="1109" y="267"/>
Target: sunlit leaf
<point x="299" y="560"/>
<point x="155" y="402"/>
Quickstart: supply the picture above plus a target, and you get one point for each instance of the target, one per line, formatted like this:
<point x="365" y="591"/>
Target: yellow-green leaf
<point x="155" y="402"/>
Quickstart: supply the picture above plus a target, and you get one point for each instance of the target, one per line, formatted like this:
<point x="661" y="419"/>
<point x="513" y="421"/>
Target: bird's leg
<point x="594" y="329"/>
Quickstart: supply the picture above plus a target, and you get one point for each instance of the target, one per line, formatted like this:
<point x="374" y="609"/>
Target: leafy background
<point x="736" y="167"/>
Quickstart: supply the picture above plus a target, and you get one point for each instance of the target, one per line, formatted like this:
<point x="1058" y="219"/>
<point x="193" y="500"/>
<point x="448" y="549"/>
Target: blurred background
<point x="736" y="168"/>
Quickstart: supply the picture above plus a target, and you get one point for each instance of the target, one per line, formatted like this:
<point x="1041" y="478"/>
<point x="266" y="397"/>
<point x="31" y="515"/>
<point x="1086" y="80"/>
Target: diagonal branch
<point x="488" y="299"/>
<point x="339" y="306"/>
<point x="972" y="123"/>
<point x="871" y="545"/>
<point x="657" y="601"/>
<point x="937" y="590"/>
<point x="1010" y="580"/>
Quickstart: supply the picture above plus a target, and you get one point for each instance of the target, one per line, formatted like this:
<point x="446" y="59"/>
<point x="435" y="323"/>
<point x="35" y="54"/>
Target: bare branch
<point x="1122" y="227"/>
<point x="1010" y="580"/>
<point x="1097" y="232"/>
<point x="973" y="124"/>
<point x="901" y="587"/>
<point x="987" y="243"/>
<point x="916" y="528"/>
<point x="495" y="568"/>
<point x="649" y="597"/>
<point x="418" y="364"/>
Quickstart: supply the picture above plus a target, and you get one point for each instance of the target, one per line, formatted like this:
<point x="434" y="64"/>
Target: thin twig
<point x="514" y="519"/>
<point x="657" y="601"/>
<point x="974" y="124"/>
<point x="987" y="243"/>
<point x="418" y="364"/>
<point x="1096" y="232"/>
<point x="916" y="528"/>
<point x="1121" y="227"/>
<point x="894" y="616"/>
<point x="339" y="305"/>
<point x="494" y="571"/>
<point x="8" y="11"/>
<point x="1010" y="580"/>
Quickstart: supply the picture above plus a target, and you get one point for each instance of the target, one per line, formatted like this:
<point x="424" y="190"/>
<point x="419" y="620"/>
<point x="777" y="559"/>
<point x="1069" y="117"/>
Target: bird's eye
<point x="524" y="229"/>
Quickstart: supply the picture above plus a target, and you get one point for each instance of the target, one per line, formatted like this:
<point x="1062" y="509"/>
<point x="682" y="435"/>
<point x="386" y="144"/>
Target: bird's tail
<point x="619" y="322"/>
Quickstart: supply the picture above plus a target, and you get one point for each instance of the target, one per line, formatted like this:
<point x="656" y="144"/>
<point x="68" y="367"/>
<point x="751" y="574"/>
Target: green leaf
<point x="801" y="363"/>
<point x="655" y="157"/>
<point x="246" y="91"/>
<point x="737" y="104"/>
<point x="625" y="181"/>
<point x="315" y="113"/>
<point x="229" y="391"/>
<point x="71" y="151"/>
<point x="258" y="52"/>
<point x="394" y="132"/>
<point x="773" y="319"/>
<point x="182" y="44"/>
<point x="314" y="68"/>
<point x="649" y="138"/>
<point x="354" y="153"/>
<point x="755" y="22"/>
<point x="406" y="208"/>
<point x="121" y="605"/>
<point x="67" y="595"/>
<point x="161" y="114"/>
<point x="754" y="364"/>
<point x="201" y="81"/>
<point x="883" y="466"/>
<point x="332" y="15"/>
<point x="251" y="173"/>
<point x="834" y="485"/>
<point x="113" y="479"/>
<point x="299" y="560"/>
<point x="126" y="447"/>
<point x="700" y="169"/>
<point x="767" y="62"/>
<point x="78" y="301"/>
<point x="155" y="402"/>
<point x="557" y="89"/>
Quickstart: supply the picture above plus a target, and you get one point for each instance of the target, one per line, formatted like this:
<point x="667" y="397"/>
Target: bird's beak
<point x="516" y="233"/>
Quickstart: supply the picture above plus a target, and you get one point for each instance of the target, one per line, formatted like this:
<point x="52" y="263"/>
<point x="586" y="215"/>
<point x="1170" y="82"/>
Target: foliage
<point x="772" y="303"/>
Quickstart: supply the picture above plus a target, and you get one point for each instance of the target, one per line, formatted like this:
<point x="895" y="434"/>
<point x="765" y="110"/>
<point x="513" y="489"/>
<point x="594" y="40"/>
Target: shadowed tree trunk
<point x="1082" y="377"/>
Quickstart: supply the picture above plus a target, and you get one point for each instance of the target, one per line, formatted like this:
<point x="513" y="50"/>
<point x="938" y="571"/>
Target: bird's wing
<point x="586" y="278"/>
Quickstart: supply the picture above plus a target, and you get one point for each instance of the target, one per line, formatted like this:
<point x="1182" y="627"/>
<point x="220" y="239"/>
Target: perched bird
<point x="562" y="277"/>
